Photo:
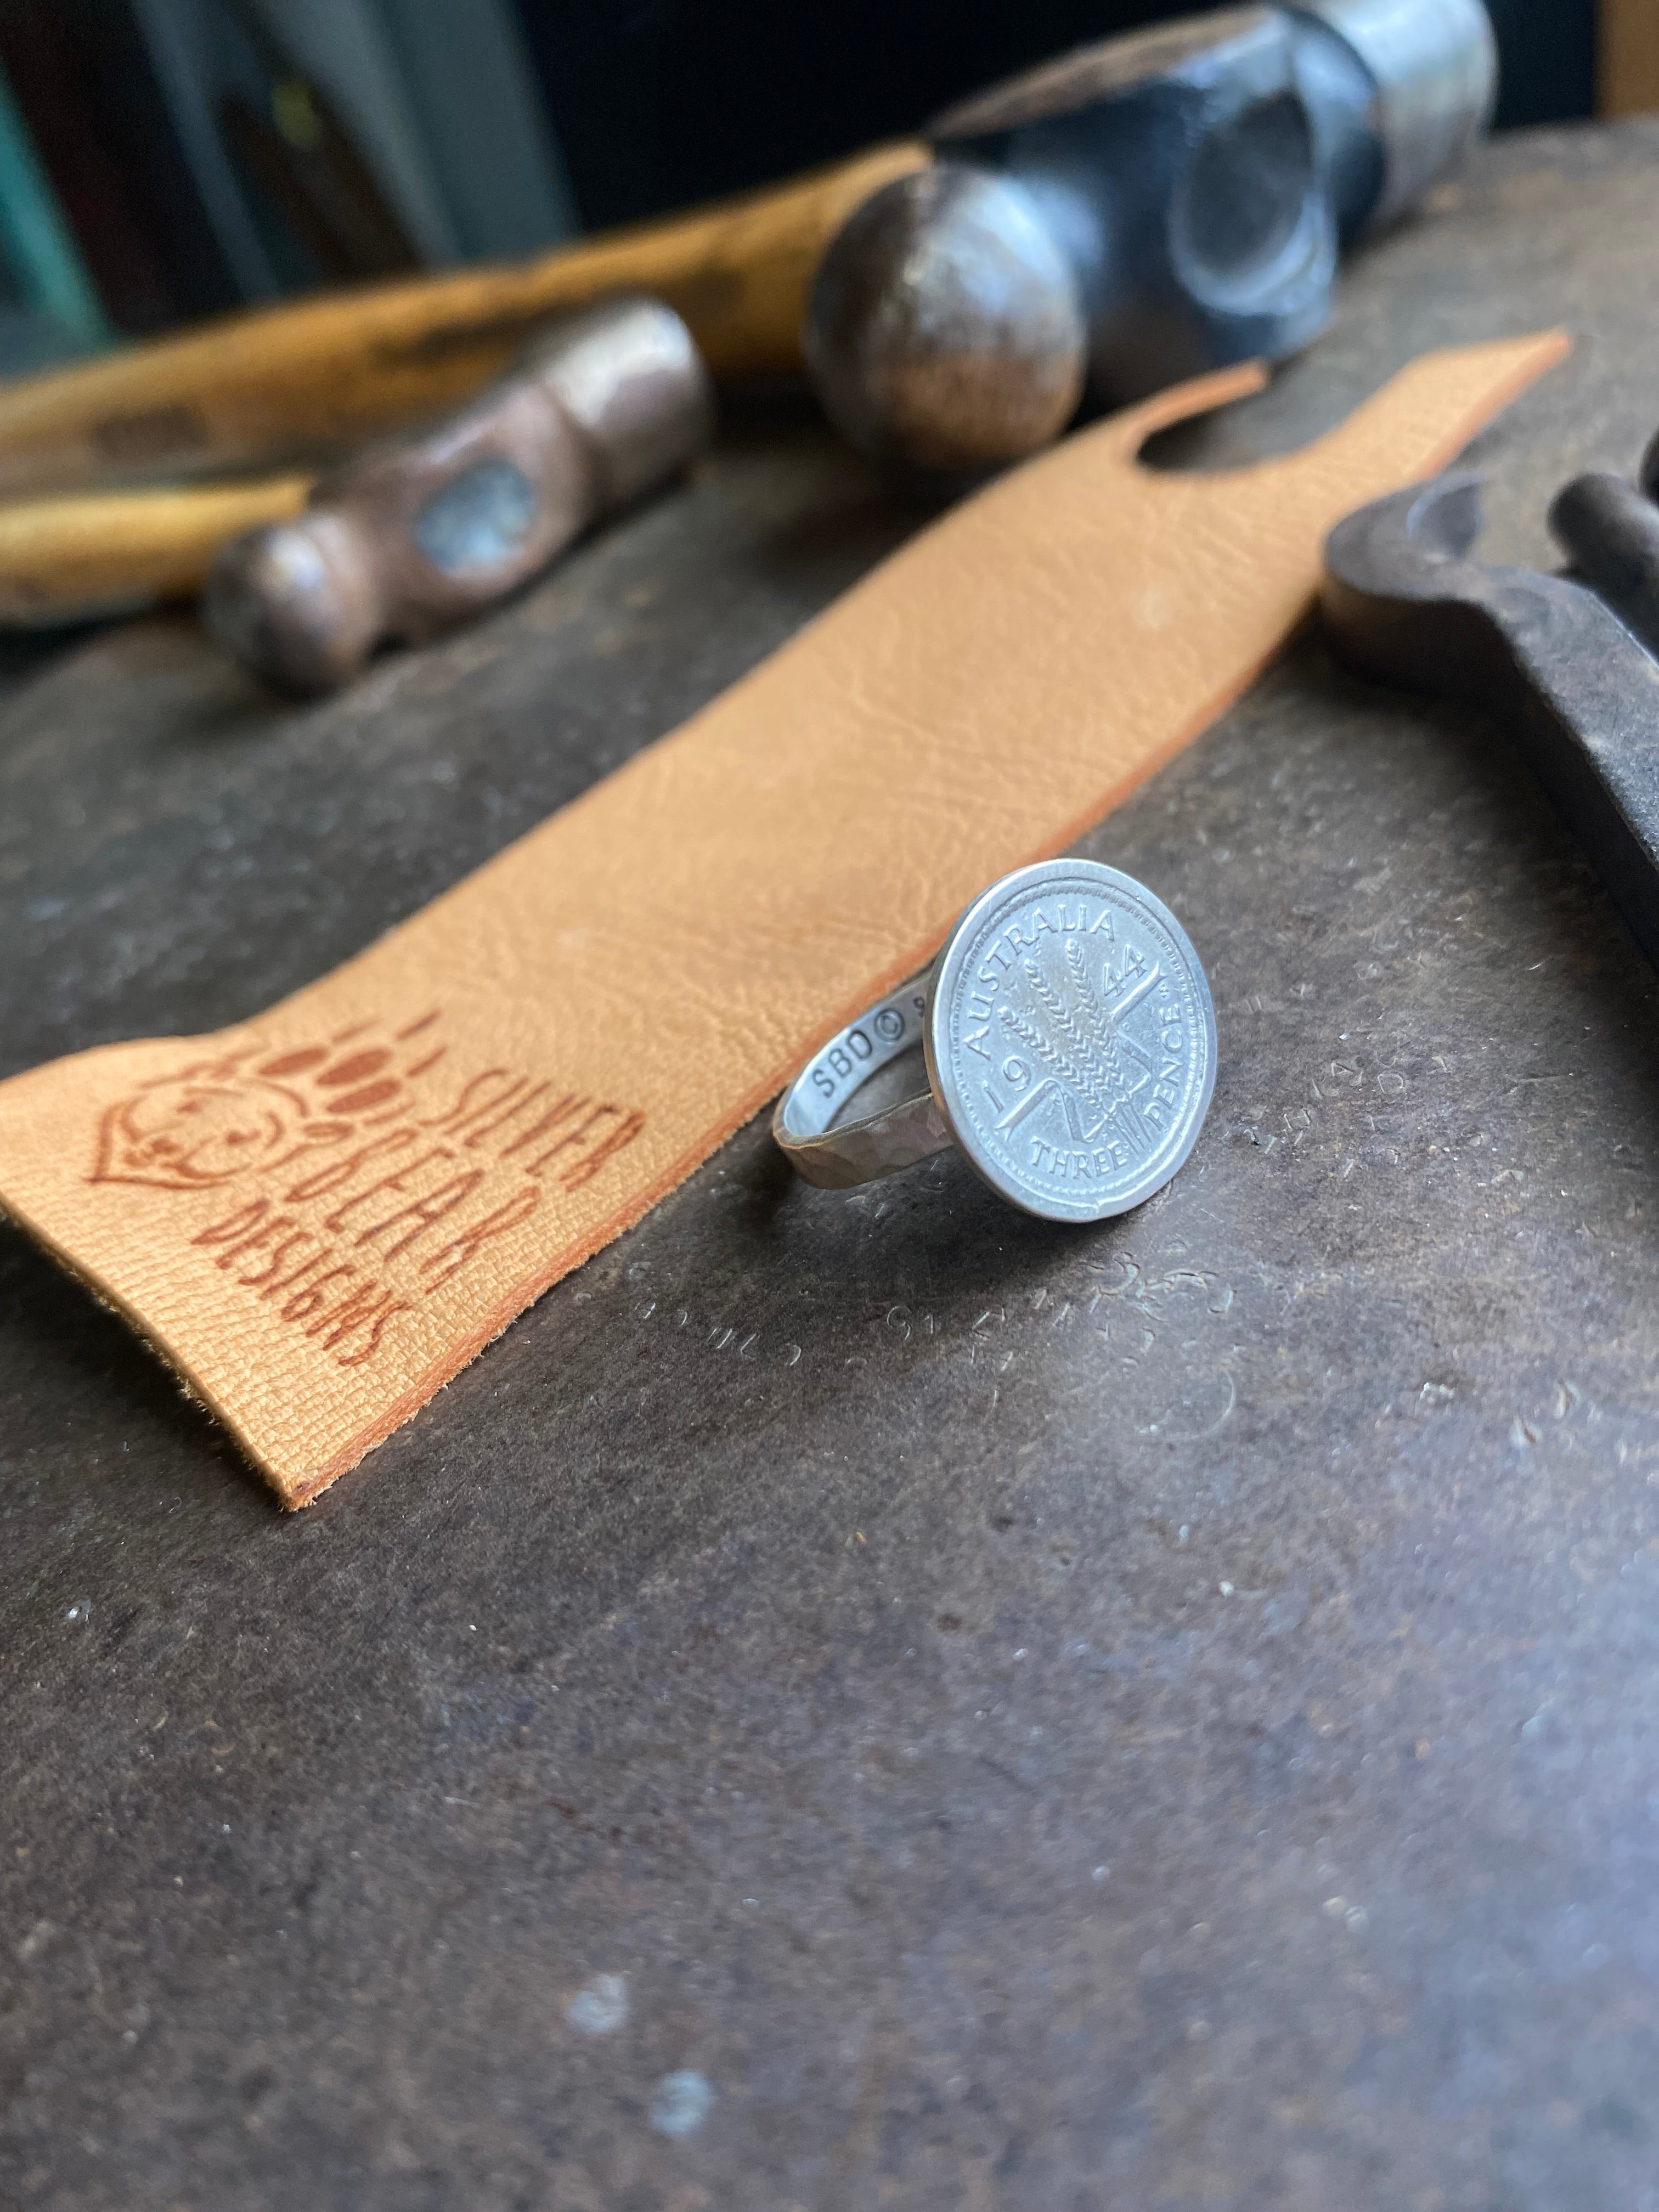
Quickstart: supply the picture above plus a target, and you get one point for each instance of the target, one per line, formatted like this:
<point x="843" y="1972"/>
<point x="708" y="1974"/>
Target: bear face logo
<point x="217" y="1119"/>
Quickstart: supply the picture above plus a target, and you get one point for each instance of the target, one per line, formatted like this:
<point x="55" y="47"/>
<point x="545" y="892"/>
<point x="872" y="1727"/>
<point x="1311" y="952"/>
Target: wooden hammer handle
<point x="92" y="553"/>
<point x="284" y="383"/>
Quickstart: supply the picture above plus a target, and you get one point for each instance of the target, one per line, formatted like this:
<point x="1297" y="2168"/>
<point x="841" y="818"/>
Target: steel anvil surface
<point x="862" y="1698"/>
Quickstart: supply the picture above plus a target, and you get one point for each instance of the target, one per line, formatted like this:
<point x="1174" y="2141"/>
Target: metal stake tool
<point x="1403" y="600"/>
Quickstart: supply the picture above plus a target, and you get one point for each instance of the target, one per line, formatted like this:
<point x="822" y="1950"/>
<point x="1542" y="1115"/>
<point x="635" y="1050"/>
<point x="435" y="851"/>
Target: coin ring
<point x="1071" y="1051"/>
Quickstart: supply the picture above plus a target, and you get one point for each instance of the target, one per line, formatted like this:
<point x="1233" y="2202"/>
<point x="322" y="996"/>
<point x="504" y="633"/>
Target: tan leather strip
<point x="318" y="1219"/>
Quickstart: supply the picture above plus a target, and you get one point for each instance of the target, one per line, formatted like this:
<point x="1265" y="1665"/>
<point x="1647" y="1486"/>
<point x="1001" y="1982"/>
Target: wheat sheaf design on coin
<point x="1076" y="1037"/>
<point x="1073" y="1039"/>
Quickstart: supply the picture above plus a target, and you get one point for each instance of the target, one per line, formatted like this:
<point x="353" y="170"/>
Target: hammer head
<point x="419" y="532"/>
<point x="1195" y="181"/>
<point x="1178" y="168"/>
<point x="946" y="328"/>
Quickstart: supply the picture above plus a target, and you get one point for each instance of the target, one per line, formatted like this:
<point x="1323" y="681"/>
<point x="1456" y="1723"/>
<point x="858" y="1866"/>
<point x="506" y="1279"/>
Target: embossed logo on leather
<point x="363" y="1172"/>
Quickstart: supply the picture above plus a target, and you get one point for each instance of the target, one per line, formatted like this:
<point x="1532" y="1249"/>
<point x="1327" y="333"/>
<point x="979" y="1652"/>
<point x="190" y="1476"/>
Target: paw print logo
<point x="217" y="1119"/>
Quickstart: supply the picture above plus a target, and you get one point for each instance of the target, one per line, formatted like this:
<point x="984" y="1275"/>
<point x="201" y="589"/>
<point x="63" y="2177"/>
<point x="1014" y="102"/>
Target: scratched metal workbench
<point x="868" y="1699"/>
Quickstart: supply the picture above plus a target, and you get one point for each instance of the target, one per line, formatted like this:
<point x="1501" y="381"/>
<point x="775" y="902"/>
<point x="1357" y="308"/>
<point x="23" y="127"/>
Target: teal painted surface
<point x="35" y="240"/>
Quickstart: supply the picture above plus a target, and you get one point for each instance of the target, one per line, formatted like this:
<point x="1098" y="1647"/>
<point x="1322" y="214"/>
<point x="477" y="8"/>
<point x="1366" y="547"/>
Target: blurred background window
<point x="162" y="159"/>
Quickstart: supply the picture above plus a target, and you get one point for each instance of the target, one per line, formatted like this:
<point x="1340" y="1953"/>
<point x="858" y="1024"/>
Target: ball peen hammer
<point x="411" y="536"/>
<point x="424" y="530"/>
<point x="1133" y="214"/>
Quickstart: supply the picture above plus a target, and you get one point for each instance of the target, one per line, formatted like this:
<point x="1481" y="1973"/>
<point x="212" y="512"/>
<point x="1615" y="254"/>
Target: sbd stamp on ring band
<point x="1070" y="1049"/>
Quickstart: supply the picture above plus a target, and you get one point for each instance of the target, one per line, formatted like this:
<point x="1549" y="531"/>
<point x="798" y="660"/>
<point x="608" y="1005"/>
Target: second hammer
<point x="420" y="532"/>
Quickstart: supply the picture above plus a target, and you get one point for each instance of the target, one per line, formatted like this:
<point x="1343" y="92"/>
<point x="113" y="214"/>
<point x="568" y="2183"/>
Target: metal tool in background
<point x="1137" y="211"/>
<point x="422" y="532"/>
<point x="1134" y="214"/>
<point x="1572" y="667"/>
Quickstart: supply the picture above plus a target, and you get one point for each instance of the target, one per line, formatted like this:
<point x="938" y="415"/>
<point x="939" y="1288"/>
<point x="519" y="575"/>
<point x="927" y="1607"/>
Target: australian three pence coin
<point x="1070" y="1040"/>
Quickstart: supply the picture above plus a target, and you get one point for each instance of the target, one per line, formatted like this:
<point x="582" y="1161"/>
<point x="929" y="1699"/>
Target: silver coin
<point x="1071" y="1040"/>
